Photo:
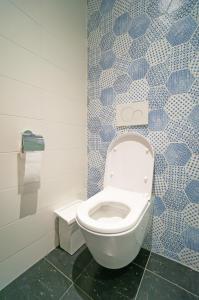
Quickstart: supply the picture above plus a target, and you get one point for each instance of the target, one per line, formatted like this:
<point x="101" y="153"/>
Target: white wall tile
<point x="8" y="170"/>
<point x="24" y="232"/>
<point x="68" y="188"/>
<point x="54" y="16"/>
<point x="15" y="126"/>
<point x="30" y="7"/>
<point x="18" y="63"/>
<point x="58" y="163"/>
<point x="43" y="90"/>
<point x="61" y="136"/>
<point x="20" y="99"/>
<point x="64" y="109"/>
<point x="9" y="206"/>
<point x="21" y="261"/>
<point x="21" y="29"/>
<point x="54" y="49"/>
<point x="55" y="80"/>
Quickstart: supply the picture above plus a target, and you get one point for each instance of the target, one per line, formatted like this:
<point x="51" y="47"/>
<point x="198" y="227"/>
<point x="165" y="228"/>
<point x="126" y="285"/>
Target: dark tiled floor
<point x="64" y="277"/>
<point x="70" y="265"/>
<point x="101" y="283"/>
<point x="174" y="272"/>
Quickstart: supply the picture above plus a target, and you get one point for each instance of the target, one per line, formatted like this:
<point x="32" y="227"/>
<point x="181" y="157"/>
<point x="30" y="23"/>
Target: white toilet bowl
<point x="114" y="221"/>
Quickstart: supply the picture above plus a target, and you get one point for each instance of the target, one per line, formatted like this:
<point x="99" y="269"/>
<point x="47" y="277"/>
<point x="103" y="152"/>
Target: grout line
<point x="23" y="82"/>
<point x="173" y="283"/>
<point x="33" y="19"/>
<point x="42" y="89"/>
<point x="148" y="260"/>
<point x="21" y="116"/>
<point x="34" y="53"/>
<point x="73" y="282"/>
<point x="43" y="119"/>
<point x="138" y="265"/>
<point x="7" y="152"/>
<point x="83" y="270"/>
<point x="40" y="211"/>
<point x="74" y="287"/>
<point x="25" y="247"/>
<point x="142" y="277"/>
<point x="25" y="13"/>
<point x="66" y="291"/>
<point x="176" y="261"/>
<point x="83" y="291"/>
<point x="50" y="150"/>
<point x="58" y="269"/>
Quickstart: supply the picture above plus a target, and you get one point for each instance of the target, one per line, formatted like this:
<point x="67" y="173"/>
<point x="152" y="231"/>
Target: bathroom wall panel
<point x="11" y="137"/>
<point x="55" y="50"/>
<point x="11" y="268"/>
<point x="9" y="206"/>
<point x="56" y="16"/>
<point x="54" y="190"/>
<point x="8" y="170"/>
<point x="69" y="160"/>
<point x="25" y="32"/>
<point x="62" y="82"/>
<point x="20" y="99"/>
<point x="64" y="109"/>
<point x="67" y="135"/>
<point x="30" y="8"/>
<point x="43" y="53"/>
<point x="54" y="79"/>
<point x="55" y="107"/>
<point x="52" y="16"/>
<point x="23" y="232"/>
<point x="19" y="63"/>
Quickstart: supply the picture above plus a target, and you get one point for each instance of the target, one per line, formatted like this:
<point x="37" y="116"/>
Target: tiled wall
<point x="147" y="50"/>
<point x="43" y="68"/>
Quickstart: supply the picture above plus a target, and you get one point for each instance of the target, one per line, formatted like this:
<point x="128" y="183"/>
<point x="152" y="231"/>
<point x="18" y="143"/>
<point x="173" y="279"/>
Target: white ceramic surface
<point x="106" y="213"/>
<point x="115" y="251"/>
<point x="129" y="164"/>
<point x="70" y="236"/>
<point x="114" y="221"/>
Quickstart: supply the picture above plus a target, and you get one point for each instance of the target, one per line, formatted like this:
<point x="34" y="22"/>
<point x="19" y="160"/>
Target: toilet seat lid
<point x="129" y="163"/>
<point x="92" y="213"/>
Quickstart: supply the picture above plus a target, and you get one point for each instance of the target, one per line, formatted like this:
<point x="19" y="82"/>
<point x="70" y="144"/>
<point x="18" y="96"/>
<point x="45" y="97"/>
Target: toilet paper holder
<point x="32" y="142"/>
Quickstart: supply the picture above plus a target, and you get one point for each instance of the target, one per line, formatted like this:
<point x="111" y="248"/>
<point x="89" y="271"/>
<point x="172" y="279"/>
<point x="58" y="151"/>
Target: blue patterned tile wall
<point x="148" y="50"/>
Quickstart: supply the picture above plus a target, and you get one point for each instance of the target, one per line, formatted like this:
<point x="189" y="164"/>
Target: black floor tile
<point x="177" y="273"/>
<point x="156" y="288"/>
<point x="42" y="281"/>
<point x="142" y="257"/>
<point x="70" y="265"/>
<point x="101" y="283"/>
<point x="74" y="293"/>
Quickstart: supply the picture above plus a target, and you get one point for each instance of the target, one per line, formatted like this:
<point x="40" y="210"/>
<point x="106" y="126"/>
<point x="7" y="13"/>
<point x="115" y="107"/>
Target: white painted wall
<point x="42" y="88"/>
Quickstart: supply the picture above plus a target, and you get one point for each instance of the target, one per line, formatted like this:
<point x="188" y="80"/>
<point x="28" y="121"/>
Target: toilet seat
<point x="129" y="163"/>
<point x="112" y="210"/>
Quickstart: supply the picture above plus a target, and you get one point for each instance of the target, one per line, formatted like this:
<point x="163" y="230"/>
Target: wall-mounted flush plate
<point x="132" y="114"/>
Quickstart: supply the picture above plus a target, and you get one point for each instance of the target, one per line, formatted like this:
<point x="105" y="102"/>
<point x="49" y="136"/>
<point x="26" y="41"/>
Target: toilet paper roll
<point x="32" y="171"/>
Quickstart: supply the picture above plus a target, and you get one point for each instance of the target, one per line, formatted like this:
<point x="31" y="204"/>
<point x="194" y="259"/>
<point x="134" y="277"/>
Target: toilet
<point x="114" y="221"/>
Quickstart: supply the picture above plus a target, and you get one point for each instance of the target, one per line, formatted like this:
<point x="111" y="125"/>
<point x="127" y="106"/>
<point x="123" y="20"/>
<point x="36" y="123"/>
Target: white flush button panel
<point x="132" y="114"/>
